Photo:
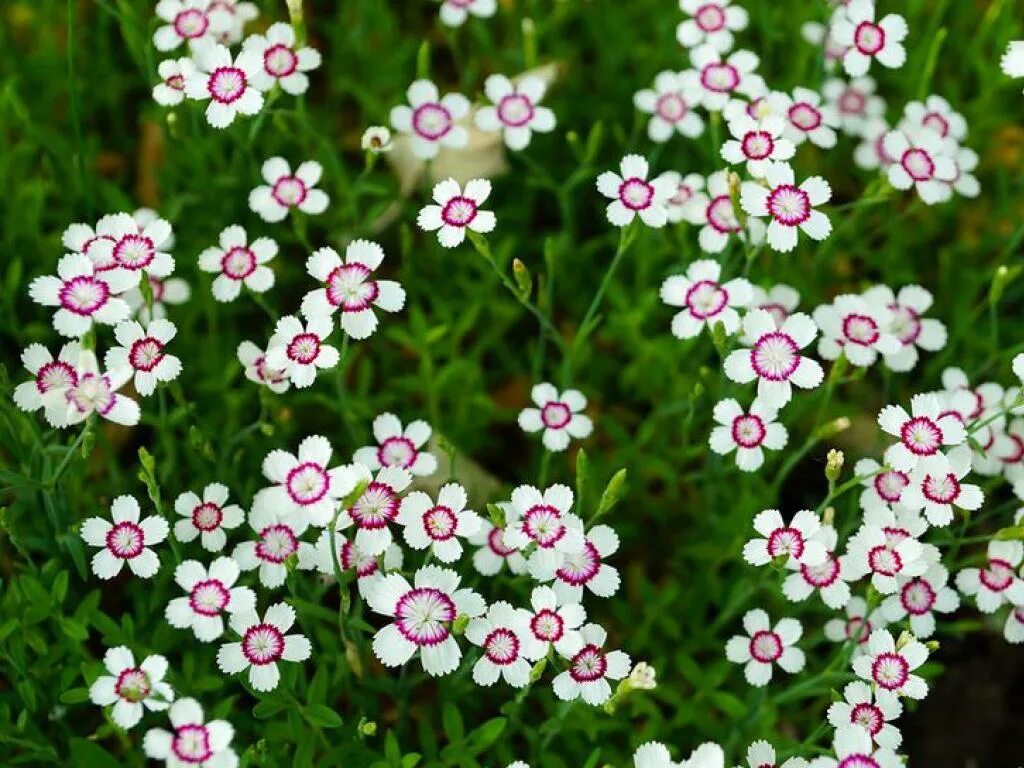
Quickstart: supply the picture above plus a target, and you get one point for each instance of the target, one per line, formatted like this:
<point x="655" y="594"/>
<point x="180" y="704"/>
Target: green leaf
<point x="451" y="721"/>
<point x="74" y="696"/>
<point x="322" y="716"/>
<point x="86" y="754"/>
<point x="267" y="708"/>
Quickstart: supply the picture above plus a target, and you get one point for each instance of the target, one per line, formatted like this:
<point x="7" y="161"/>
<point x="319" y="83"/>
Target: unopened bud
<point x="523" y="278"/>
<point x="834" y="465"/>
<point x="904" y="638"/>
<point x="829" y="515"/>
<point x="367" y="727"/>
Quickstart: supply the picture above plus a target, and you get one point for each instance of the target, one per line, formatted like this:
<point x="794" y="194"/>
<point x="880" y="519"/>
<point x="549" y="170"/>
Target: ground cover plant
<point x="508" y="382"/>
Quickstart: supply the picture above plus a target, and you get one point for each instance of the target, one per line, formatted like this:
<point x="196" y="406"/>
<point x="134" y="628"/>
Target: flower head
<point x="83" y="295"/>
<point x="920" y="160"/>
<point x="141" y="355"/>
<point x="430" y="121"/>
<point x="722" y="80"/>
<point x="274" y="541"/>
<point x="907" y="323"/>
<point x="797" y="541"/>
<point x="263" y="644"/>
<point x="555" y="624"/>
<point x="438" y="526"/>
<point x="890" y="668"/>
<point x="787" y="206"/>
<point x="238" y="262"/>
<point x="704" y="299"/>
<point x="856" y="328"/>
<point x="919" y="598"/>
<point x="457" y="209"/>
<point x="854" y="102"/>
<point x="507" y="647"/>
<point x="398" y="447"/>
<point x="377" y="507"/>
<point x="188" y="21"/>
<point x="746" y="432"/>
<point x="719" y="219"/>
<point x="861" y="707"/>
<point x="559" y="415"/>
<point x="254" y="360"/>
<point x="286" y="190"/>
<point x="764" y="646"/>
<point x="209" y="593"/>
<point x="921" y="433"/>
<point x="282" y="62"/>
<point x="710" y="22"/>
<point x="869" y="40"/>
<point x="207" y="518"/>
<point x="51" y="379"/>
<point x="170" y="91"/>
<point x="672" y="106"/>
<point x="829" y="578"/>
<point x="132" y="688"/>
<point x="590" y="669"/>
<point x="515" y="110"/>
<point x="193" y="740"/>
<point x="299" y="351"/>
<point x="998" y="583"/>
<point x="758" y="143"/>
<point x="125" y="539"/>
<point x="632" y="195"/>
<point x="229" y="85"/>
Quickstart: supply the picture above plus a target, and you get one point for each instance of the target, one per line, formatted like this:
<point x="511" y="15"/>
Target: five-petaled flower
<point x="590" y="669"/>
<point x="281" y="61"/>
<point x="890" y="668"/>
<point x="229" y="85"/>
<point x="430" y="120"/>
<point x="746" y="432"/>
<point x="515" y="110"/>
<point x="506" y="644"/>
<point x="787" y="206"/>
<point x="867" y="39"/>
<point x="398" y="447"/>
<point x="125" y="539"/>
<point x="299" y="351"/>
<point x="672" y="106"/>
<point x="285" y="190"/>
<point x="83" y="294"/>
<point x="765" y="646"/>
<point x="559" y="415"/>
<point x="705" y="300"/>
<point x="238" y="262"/>
<point x="193" y="740"/>
<point x="141" y="355"/>
<point x="438" y="526"/>
<point x="633" y="195"/>
<point x="457" y="209"/>
<point x="263" y="644"/>
<point x="209" y="593"/>
<point x="132" y="688"/>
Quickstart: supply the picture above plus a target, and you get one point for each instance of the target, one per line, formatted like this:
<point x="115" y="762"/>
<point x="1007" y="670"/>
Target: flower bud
<point x="643" y="677"/>
<point x="834" y="465"/>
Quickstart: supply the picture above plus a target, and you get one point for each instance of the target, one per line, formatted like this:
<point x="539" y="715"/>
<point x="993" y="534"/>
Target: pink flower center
<point x="377" y="506"/>
<point x="706" y="298"/>
<point x="860" y="329"/>
<point x="515" y="110"/>
<point x="709" y="17"/>
<point x="720" y="77"/>
<point x="579" y="568"/>
<point x="126" y="540"/>
<point x="786" y="541"/>
<point x="277" y="543"/>
<point x="852" y="102"/>
<point x="280" y="61"/>
<point x="789" y="205"/>
<point x="918" y="164"/>
<point x="905" y="324"/>
<point x="671" y="107"/>
<point x="304" y="348"/>
<point x="998" y="576"/>
<point x="238" y="262"/>
<point x="636" y="194"/>
<point x="778" y="312"/>
<point x="146" y="354"/>
<point x="397" y="452"/>
<point x="757" y="145"/>
<point x="422" y="615"/>
<point x="543" y="523"/>
<point x="134" y="252"/>
<point x="721" y="215"/>
<point x="209" y="597"/>
<point x="890" y="671"/>
<point x="885" y="561"/>
<point x="262" y="644"/>
<point x="431" y="121"/>
<point x="55" y="374"/>
<point x="889" y="485"/>
<point x="775" y="356"/>
<point x="132" y="685"/>
<point x="177" y="82"/>
<point x="439" y="523"/>
<point x="867" y="716"/>
<point x="191" y="744"/>
<point x="869" y="38"/>
<point x="352" y="557"/>
<point x="92" y="393"/>
<point x="804" y="116"/>
<point x="289" y="191"/>
<point x="496" y="543"/>
<point x="765" y="646"/>
<point x="307" y="483"/>
<point x="459" y="211"/>
<point x="227" y="84"/>
<point x="348" y="288"/>
<point x="748" y="431"/>
<point x="547" y="625"/>
<point x="943" y="489"/>
<point x="823" y="575"/>
<point x="682" y="195"/>
<point x="921" y="436"/>
<point x="191" y="23"/>
<point x="501" y="646"/>
<point x="589" y="664"/>
<point x="858" y="761"/>
<point x="555" y="415"/>
<point x="84" y="295"/>
<point x="265" y="374"/>
<point x="917" y="597"/>
<point x="937" y="123"/>
<point x="894" y="536"/>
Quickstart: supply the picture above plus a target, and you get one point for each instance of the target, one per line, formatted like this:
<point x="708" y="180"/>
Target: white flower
<point x="348" y="287"/>
<point x="828" y="578"/>
<point x="377" y="506"/>
<point x="855" y="103"/>
<point x="129" y="251"/>
<point x="285" y="190"/>
<point x="870" y="153"/>
<point x="763" y="647"/>
<point x="1013" y="630"/>
<point x="796" y="541"/>
<point x="633" y="195"/>
<point x="275" y="541"/>
<point x="543" y="519"/>
<point x="860" y="707"/>
<point x="51" y="380"/>
<point x="281" y="61"/>
<point x="583" y="567"/>
<point x="711" y="22"/>
<point x="254" y="360"/>
<point x="263" y="644"/>
<point x="131" y="689"/>
<point x="558" y="414"/>
<point x="761" y="754"/>
<point x="303" y="486"/>
<point x="1012" y="61"/>
<point x="229" y="85"/>
<point x="788" y="207"/>
<point x="457" y="209"/>
<point x="721" y="80"/>
<point x="455" y="12"/>
<point x="493" y="553"/>
<point x="654" y="754"/>
<point x="93" y="392"/>
<point x="998" y="583"/>
<point x="367" y="567"/>
<point x="907" y="324"/>
<point x="141" y="354"/>
<point x="881" y="489"/>
<point x="869" y="40"/>
<point x="430" y="121"/>
<point x="936" y="487"/>
<point x="170" y="291"/>
<point x="503" y="635"/>
<point x="188" y="21"/>
<point x="890" y="668"/>
<point x="643" y="677"/>
<point x="920" y="598"/>
<point x="857" y="626"/>
<point x="686" y="203"/>
<point x="209" y="594"/>
<point x="774" y="357"/>
<point x="719" y="219"/>
<point x="806" y="118"/>
<point x="746" y="433"/>
<point x="920" y="161"/>
<point x="170" y="91"/>
<point x="83" y="295"/>
<point x="238" y="262"/>
<point x="299" y="351"/>
<point x="193" y="740"/>
<point x="705" y="300"/>
<point x="780" y="301"/>
<point x="872" y="550"/>
<point x="853" y="747"/>
<point x="422" y="615"/>
<point x="207" y="518"/>
<point x="672" y="106"/>
<point x="439" y="526"/>
<point x="937" y="115"/>
<point x="854" y="327"/>
<point x="555" y="624"/>
<point x="965" y="183"/>
<point x="376" y="139"/>
<point x="757" y="143"/>
<point x="239" y="13"/>
<point x="921" y="435"/>
<point x="397" y="447"/>
<point x="125" y="540"/>
<point x="590" y="669"/>
<point x="516" y="110"/>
